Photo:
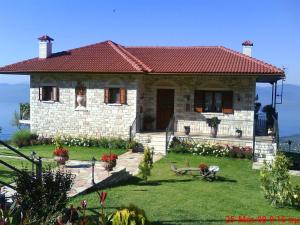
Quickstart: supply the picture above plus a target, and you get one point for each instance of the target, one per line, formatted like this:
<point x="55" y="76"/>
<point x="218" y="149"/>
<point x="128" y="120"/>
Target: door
<point x="164" y="107"/>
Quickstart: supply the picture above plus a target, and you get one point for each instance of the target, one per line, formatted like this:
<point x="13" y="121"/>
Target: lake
<point x="11" y="95"/>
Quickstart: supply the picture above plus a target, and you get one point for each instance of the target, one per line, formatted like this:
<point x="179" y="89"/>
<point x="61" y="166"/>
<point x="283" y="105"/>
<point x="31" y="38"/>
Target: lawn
<point x="78" y="153"/>
<point x="170" y="199"/>
<point x="7" y="174"/>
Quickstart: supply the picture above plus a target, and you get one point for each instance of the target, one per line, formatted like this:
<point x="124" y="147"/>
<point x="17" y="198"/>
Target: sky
<point x="272" y="25"/>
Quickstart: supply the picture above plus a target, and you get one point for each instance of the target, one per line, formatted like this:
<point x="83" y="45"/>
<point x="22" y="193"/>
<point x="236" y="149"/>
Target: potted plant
<point x="132" y="146"/>
<point x="109" y="161"/>
<point x="148" y="120"/>
<point x="80" y="98"/>
<point x="213" y="123"/>
<point x="187" y="130"/>
<point x="61" y="155"/>
<point x="239" y="132"/>
<point x="203" y="168"/>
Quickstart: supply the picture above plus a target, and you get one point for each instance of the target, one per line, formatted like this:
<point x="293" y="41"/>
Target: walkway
<point x="127" y="165"/>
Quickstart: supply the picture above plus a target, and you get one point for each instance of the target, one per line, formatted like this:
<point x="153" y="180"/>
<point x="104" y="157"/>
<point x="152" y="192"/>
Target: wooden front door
<point x="164" y="107"/>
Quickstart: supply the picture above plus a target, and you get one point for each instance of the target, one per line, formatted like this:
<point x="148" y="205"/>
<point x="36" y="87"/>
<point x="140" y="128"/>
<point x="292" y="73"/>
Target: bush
<point x="41" y="198"/>
<point x="275" y="182"/>
<point x="146" y="165"/>
<point x="130" y="215"/>
<point x="103" y="142"/>
<point x="23" y="138"/>
<point x="208" y="149"/>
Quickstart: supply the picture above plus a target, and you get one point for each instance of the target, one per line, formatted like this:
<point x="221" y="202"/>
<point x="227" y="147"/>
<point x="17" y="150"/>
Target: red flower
<point x="102" y="197"/>
<point x="111" y="157"/>
<point x="61" y="152"/>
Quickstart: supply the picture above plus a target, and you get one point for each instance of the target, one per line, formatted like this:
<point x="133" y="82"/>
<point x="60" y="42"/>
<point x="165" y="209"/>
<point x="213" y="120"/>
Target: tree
<point x="16" y="120"/>
<point x="146" y="164"/>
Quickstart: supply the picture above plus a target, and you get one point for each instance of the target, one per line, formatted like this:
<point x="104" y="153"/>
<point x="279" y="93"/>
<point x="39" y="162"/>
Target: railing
<point x="170" y="130"/>
<point x="276" y="130"/>
<point x="134" y="128"/>
<point x="36" y="164"/>
<point x="261" y="127"/>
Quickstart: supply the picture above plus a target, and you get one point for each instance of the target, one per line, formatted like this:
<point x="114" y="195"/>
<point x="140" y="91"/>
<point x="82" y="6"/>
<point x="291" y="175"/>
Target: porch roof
<point x="110" y="57"/>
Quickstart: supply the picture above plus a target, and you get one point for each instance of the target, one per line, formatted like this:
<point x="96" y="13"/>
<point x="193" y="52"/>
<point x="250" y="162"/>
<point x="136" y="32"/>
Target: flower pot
<point x="187" y="130"/>
<point x="213" y="132"/>
<point x="109" y="165"/>
<point x="80" y="100"/>
<point x="61" y="160"/>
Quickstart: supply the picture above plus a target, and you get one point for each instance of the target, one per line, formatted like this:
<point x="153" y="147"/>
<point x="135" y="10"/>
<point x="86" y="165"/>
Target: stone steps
<point x="265" y="150"/>
<point x="156" y="141"/>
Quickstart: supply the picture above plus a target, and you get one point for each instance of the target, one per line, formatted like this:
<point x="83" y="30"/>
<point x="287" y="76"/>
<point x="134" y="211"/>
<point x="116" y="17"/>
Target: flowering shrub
<point x="211" y="149"/>
<point x="103" y="142"/>
<point x="110" y="157"/>
<point x="240" y="152"/>
<point x="61" y="152"/>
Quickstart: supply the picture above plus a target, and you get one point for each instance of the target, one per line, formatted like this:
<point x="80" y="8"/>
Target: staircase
<point x="265" y="150"/>
<point x="156" y="141"/>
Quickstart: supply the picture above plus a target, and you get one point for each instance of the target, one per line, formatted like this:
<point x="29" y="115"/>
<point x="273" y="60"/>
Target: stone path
<point x="127" y="165"/>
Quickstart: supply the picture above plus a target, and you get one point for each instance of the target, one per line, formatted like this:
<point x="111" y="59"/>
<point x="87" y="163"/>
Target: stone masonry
<point x="100" y="119"/>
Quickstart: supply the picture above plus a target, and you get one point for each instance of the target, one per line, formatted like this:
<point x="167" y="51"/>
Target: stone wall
<point x="98" y="119"/>
<point x="243" y="101"/>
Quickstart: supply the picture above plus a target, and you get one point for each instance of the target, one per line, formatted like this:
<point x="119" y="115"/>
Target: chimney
<point x="45" y="46"/>
<point x="247" y="48"/>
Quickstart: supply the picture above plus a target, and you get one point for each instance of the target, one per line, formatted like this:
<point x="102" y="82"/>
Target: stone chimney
<point x="247" y="48"/>
<point x="45" y="46"/>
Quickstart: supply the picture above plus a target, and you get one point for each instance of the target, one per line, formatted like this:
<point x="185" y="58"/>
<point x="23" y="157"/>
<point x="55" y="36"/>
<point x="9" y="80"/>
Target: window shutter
<point x="123" y="95"/>
<point x="41" y="93"/>
<point x="106" y="95"/>
<point x="55" y="91"/>
<point x="198" y="101"/>
<point x="227" y="102"/>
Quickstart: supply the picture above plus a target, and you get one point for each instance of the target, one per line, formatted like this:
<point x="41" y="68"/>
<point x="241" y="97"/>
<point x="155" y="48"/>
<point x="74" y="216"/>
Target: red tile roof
<point x="109" y="57"/>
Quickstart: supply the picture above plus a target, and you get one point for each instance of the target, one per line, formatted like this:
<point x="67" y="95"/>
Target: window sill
<point x="114" y="104"/>
<point x="84" y="109"/>
<point x="50" y="101"/>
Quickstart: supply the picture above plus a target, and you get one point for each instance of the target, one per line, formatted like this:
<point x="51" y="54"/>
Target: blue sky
<point x="273" y="26"/>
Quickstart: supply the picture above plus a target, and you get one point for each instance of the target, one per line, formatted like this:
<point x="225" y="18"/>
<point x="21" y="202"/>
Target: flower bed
<point x="211" y="149"/>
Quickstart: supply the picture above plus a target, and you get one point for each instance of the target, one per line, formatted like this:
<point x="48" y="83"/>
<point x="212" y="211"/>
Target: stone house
<point x="107" y="89"/>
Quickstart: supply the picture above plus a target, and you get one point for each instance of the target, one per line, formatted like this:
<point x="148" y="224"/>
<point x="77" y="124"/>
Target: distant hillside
<point x="295" y="143"/>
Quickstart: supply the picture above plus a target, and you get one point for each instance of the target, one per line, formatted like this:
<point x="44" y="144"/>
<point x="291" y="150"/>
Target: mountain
<point x="11" y="95"/>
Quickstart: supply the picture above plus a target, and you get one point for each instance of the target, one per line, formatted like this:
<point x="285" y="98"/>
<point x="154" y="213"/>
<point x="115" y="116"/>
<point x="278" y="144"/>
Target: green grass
<point x="7" y="175"/>
<point x="78" y="153"/>
<point x="171" y="199"/>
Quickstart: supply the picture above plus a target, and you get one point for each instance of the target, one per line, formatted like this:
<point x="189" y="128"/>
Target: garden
<point x="160" y="196"/>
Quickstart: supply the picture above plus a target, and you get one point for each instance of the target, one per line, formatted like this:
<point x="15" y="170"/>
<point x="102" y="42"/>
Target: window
<point x="48" y="93"/>
<point x="115" y="96"/>
<point x="213" y="101"/>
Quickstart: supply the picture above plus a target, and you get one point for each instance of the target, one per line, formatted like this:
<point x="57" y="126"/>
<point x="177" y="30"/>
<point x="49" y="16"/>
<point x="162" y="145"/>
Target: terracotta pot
<point x="61" y="160"/>
<point x="109" y="165"/>
<point x="214" y="132"/>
